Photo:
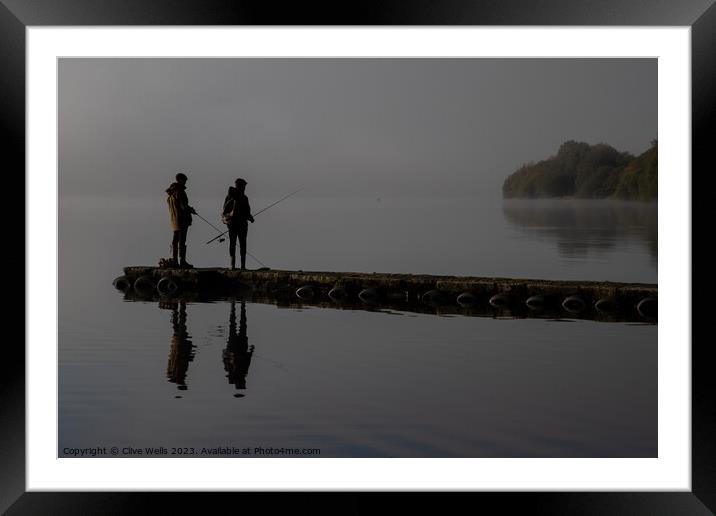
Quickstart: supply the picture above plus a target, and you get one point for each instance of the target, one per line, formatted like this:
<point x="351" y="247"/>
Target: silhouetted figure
<point x="237" y="355"/>
<point x="181" y="351"/>
<point x="180" y="217"/>
<point x="237" y="215"/>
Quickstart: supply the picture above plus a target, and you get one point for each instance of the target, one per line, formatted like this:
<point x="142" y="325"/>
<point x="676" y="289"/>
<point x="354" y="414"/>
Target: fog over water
<point x="339" y="127"/>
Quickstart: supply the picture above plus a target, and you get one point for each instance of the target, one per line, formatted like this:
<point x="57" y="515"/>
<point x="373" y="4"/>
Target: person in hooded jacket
<point x="180" y="217"/>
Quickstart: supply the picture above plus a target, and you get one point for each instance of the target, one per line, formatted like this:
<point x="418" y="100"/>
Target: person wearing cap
<point x="237" y="215"/>
<point x="180" y="218"/>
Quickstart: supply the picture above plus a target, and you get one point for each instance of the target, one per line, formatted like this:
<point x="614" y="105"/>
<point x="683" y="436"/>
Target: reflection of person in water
<point x="237" y="355"/>
<point x="181" y="351"/>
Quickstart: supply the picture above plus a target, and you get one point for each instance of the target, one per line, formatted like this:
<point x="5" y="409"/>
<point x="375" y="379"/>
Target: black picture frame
<point x="16" y="15"/>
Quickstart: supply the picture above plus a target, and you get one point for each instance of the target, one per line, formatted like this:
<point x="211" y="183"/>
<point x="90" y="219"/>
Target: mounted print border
<point x="16" y="15"/>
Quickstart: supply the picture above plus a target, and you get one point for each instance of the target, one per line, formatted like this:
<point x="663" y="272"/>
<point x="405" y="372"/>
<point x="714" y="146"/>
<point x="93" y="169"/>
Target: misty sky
<point x="378" y="127"/>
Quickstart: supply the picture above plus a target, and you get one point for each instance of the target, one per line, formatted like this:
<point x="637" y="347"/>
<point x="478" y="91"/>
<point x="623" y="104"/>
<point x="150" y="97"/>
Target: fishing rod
<point x="213" y="226"/>
<point x="223" y="239"/>
<point x="258" y="212"/>
<point x="262" y="264"/>
<point x="274" y="204"/>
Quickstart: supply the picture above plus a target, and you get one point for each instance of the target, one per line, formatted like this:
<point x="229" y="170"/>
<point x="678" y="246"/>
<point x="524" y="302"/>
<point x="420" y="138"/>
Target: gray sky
<point x="377" y="127"/>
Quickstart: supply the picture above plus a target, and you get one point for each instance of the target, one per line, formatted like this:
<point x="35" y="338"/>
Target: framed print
<point x="409" y="249"/>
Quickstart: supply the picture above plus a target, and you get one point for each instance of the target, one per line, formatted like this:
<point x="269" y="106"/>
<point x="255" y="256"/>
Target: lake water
<point x="355" y="383"/>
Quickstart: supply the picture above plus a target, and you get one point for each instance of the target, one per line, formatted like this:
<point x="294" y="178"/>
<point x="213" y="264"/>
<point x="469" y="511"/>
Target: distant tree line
<point x="587" y="171"/>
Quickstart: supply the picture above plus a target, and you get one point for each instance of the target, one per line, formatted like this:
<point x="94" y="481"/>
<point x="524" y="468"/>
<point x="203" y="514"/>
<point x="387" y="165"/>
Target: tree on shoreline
<point x="587" y="171"/>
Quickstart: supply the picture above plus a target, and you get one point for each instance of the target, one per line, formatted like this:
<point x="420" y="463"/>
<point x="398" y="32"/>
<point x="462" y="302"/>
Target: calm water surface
<point x="355" y="383"/>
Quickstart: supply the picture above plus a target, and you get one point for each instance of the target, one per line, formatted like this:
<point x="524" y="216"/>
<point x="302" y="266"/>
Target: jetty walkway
<point x="421" y="293"/>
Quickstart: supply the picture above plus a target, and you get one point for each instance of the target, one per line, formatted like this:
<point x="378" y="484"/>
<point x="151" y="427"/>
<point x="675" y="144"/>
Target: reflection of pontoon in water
<point x="442" y="295"/>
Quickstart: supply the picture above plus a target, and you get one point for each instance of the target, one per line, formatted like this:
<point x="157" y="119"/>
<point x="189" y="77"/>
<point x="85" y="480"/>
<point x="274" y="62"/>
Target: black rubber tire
<point x="369" y="295"/>
<point x="605" y="305"/>
<point x="122" y="283"/>
<point x="536" y="302"/>
<point x="305" y="292"/>
<point x="648" y="308"/>
<point x="338" y="294"/>
<point x="574" y="304"/>
<point x="167" y="286"/>
<point x="466" y="300"/>
<point x="500" y="300"/>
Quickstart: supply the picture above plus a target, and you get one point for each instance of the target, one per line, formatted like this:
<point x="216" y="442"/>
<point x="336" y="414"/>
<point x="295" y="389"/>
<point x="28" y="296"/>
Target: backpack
<point x="227" y="213"/>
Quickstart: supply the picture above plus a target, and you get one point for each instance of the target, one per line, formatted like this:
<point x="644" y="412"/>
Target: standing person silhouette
<point x="237" y="215"/>
<point x="180" y="218"/>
